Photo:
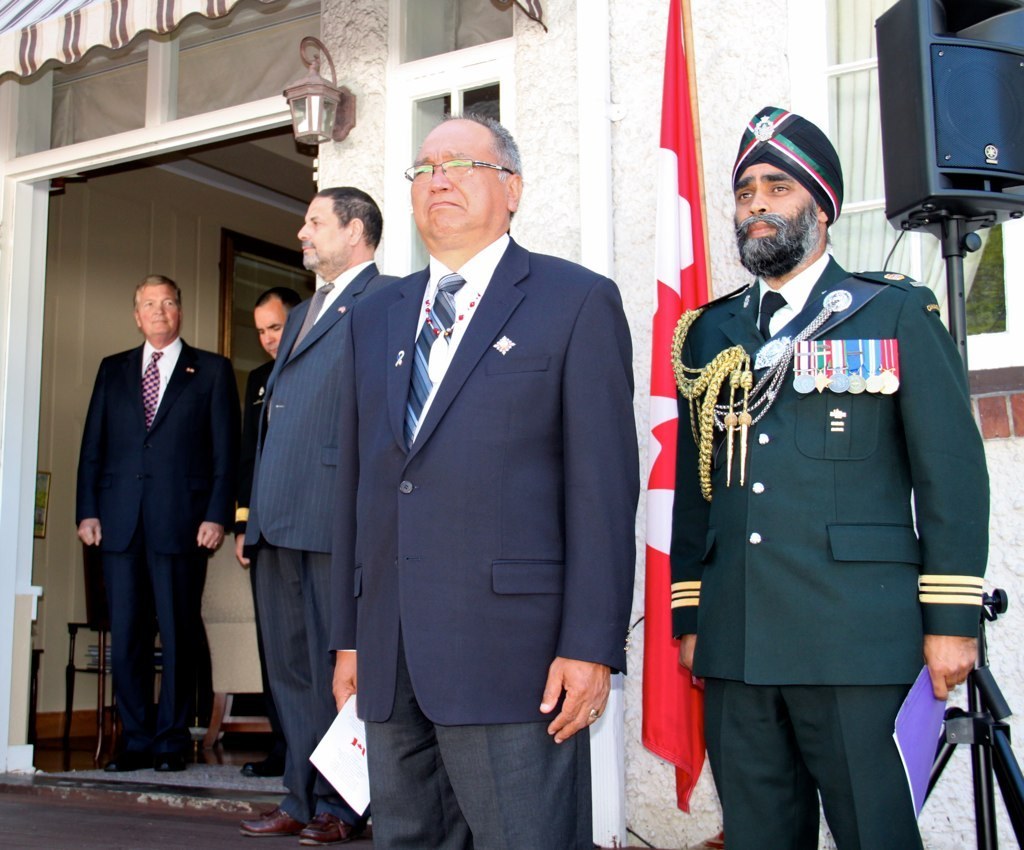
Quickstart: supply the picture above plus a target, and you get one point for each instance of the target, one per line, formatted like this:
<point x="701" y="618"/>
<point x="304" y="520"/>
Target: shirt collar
<point x="172" y="348"/>
<point x="477" y="271"/>
<point x="345" y="278"/>
<point x="797" y="290"/>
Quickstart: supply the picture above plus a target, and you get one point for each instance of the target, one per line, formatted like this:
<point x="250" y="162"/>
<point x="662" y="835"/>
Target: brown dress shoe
<point x="274" y="822"/>
<point x="325" y="828"/>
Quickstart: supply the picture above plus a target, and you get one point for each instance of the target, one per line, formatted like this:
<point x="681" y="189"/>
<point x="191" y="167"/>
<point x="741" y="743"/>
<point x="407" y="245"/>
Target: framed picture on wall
<point x="42" y="502"/>
<point x="248" y="267"/>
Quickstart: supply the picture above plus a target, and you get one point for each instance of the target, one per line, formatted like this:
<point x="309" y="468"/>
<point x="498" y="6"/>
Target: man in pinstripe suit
<point x="292" y="496"/>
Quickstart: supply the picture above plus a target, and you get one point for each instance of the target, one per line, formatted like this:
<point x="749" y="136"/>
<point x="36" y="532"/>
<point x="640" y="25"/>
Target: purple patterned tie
<point x="151" y="388"/>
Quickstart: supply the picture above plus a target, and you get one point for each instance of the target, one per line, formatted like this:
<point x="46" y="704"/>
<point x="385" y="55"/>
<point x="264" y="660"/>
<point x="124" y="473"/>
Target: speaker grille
<point x="979" y="109"/>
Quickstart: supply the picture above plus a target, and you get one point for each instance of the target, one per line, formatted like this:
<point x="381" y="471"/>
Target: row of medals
<point x="842" y="380"/>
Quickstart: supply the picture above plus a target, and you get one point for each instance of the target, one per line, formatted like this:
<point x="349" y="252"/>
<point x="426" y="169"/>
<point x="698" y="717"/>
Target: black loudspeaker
<point x="951" y="86"/>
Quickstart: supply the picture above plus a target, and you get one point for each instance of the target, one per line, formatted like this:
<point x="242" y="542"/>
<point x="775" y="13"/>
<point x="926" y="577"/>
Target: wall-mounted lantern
<point x="321" y="111"/>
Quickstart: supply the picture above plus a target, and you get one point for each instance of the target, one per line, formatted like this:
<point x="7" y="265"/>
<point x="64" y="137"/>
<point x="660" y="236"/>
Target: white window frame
<point x="445" y="74"/>
<point x="810" y="74"/>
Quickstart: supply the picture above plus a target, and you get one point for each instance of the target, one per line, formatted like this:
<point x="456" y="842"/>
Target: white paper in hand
<point x="341" y="757"/>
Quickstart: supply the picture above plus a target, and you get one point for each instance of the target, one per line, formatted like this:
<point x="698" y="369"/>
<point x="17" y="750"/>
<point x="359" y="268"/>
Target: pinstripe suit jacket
<point x="296" y="462"/>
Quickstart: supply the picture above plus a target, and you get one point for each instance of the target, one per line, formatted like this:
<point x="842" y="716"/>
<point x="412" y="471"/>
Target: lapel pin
<point x="401" y="357"/>
<point x="746" y="302"/>
<point x="190" y="370"/>
<point x="343" y="309"/>
<point x="503" y="346"/>
<point x="261" y="392"/>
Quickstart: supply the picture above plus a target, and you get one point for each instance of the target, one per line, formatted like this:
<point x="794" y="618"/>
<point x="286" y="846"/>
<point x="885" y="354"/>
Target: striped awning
<point x="34" y="32"/>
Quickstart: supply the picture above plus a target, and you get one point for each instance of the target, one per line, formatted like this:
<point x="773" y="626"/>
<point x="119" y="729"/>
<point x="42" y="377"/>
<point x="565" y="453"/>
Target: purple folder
<point x="917" y="732"/>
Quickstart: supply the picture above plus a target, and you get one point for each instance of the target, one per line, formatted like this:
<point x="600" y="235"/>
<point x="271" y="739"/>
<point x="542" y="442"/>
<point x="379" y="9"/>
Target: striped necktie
<point x="151" y="387"/>
<point x="437" y="327"/>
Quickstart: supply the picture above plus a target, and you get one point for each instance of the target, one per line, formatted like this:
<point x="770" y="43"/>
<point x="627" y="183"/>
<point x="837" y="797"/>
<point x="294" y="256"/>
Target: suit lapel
<point x="498" y="303"/>
<point x="131" y="374"/>
<point x="338" y="309"/>
<point x="403" y="318"/>
<point x="184" y="372"/>
<point x="741" y="329"/>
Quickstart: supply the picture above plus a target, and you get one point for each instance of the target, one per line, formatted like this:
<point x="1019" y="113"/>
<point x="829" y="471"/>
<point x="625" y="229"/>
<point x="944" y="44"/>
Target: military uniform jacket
<point x="814" y="571"/>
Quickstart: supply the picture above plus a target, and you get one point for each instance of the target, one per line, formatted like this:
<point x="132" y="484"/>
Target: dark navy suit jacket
<point x="173" y="477"/>
<point x="295" y="472"/>
<point x="505" y="536"/>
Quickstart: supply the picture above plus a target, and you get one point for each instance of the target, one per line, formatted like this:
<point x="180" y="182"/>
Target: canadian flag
<point x="673" y="707"/>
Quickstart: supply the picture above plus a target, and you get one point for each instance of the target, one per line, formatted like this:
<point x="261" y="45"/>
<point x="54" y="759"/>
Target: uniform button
<point x="757" y="487"/>
<point x="139" y="477"/>
<point x="755" y="538"/>
<point x="405" y="487"/>
<point x="763" y="439"/>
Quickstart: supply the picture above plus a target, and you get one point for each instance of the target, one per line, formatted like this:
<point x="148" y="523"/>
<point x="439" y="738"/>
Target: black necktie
<point x="771" y="303"/>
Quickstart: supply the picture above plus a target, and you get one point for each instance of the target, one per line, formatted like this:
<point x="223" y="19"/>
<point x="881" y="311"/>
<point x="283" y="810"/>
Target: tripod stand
<point x="982" y="726"/>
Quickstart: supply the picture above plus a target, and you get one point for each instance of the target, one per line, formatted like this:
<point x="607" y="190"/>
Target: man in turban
<point x="831" y="513"/>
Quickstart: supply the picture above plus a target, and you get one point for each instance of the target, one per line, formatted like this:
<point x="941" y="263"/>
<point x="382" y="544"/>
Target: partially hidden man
<point x="831" y="513"/>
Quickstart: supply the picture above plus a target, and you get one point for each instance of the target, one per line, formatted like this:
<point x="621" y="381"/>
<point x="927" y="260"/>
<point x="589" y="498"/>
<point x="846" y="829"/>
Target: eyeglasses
<point x="453" y="169"/>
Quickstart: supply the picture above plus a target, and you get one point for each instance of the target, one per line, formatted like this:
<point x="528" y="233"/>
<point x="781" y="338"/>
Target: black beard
<point x="773" y="256"/>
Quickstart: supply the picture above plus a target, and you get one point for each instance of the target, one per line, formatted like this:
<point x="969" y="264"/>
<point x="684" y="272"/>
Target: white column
<point x="607" y="744"/>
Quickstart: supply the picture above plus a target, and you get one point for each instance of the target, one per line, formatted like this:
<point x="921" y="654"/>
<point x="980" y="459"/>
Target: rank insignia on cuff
<point x="686" y="594"/>
<point x="950" y="590"/>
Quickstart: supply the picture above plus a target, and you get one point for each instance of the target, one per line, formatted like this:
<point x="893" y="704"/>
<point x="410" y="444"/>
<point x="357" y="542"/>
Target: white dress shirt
<point x="796" y="291"/>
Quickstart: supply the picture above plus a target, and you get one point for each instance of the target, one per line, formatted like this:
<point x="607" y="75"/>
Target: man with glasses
<point x="488" y="480"/>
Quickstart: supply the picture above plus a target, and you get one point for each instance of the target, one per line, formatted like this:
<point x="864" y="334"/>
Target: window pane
<point x="986" y="301"/>
<point x="432" y="27"/>
<point x="217" y="70"/>
<point x="97" y="105"/>
<point x="851" y="29"/>
<point x="862" y="241"/>
<point x="857" y="134"/>
<point x="483" y="101"/>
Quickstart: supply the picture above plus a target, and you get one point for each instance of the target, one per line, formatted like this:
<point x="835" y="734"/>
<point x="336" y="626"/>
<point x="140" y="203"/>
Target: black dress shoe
<point x="270" y="766"/>
<point x="129" y="760"/>
<point x="168" y="762"/>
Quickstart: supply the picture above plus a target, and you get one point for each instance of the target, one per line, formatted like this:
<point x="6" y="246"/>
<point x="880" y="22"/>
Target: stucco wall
<point x="356" y="33"/>
<point x="741" y="65"/>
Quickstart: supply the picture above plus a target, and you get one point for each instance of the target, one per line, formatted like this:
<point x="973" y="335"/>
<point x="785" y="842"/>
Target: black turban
<point x="799" y="148"/>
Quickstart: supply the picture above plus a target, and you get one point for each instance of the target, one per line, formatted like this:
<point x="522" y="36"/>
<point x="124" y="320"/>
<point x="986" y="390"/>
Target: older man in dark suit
<point x="156" y="479"/>
<point x="488" y="480"/>
<point x="831" y="513"/>
<point x="291" y="508"/>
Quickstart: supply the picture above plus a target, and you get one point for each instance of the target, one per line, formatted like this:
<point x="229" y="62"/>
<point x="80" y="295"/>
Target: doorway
<point x="107" y="228"/>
